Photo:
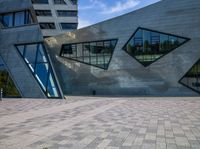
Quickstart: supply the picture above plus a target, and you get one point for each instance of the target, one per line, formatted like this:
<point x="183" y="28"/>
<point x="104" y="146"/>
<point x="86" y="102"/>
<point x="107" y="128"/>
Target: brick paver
<point x="101" y="123"/>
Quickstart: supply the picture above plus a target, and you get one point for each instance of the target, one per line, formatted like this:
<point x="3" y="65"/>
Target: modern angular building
<point x="153" y="51"/>
<point x="56" y="16"/>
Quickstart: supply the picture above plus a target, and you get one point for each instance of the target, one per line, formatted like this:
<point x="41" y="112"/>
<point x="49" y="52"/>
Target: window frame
<point x="180" y="81"/>
<point x="50" y="70"/>
<point x="83" y="50"/>
<point x="25" y="11"/>
<point x="159" y="32"/>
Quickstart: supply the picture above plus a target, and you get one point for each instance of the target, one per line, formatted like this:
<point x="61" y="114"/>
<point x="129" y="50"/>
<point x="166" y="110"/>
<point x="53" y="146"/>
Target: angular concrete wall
<point x="21" y="75"/>
<point x="125" y="76"/>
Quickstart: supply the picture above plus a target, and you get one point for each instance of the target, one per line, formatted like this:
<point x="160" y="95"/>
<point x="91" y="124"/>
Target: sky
<point x="94" y="11"/>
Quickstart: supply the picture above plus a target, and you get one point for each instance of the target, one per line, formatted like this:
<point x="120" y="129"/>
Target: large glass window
<point x="147" y="46"/>
<point x="97" y="53"/>
<point x="192" y="78"/>
<point x="36" y="58"/>
<point x="16" y="18"/>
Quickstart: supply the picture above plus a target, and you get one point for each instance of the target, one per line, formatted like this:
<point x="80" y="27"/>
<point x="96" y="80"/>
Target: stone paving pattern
<point x="101" y="123"/>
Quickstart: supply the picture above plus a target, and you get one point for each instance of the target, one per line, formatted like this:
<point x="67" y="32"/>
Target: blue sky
<point x="93" y="11"/>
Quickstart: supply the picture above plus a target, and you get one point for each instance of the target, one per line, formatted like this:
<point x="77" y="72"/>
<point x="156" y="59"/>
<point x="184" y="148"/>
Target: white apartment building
<point x="56" y="16"/>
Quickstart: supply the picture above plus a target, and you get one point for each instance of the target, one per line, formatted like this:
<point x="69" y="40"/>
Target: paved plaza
<point x="101" y="123"/>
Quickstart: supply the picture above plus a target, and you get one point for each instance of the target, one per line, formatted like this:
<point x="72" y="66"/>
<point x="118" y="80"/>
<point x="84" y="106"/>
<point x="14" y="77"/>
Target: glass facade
<point x="96" y="53"/>
<point x="192" y="78"/>
<point x="36" y="58"/>
<point x="147" y="46"/>
<point x="15" y="19"/>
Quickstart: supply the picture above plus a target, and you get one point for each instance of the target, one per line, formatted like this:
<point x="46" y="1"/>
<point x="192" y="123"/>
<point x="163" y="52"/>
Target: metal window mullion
<point x="25" y="15"/>
<point x="104" y="55"/>
<point x="76" y="51"/>
<point x="89" y="54"/>
<point x="36" y="58"/>
<point x="24" y="52"/>
<point x="82" y="51"/>
<point x="96" y="54"/>
<point x="48" y="74"/>
<point x="13" y="19"/>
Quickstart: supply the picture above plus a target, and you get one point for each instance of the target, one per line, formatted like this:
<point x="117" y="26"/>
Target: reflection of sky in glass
<point x="34" y="55"/>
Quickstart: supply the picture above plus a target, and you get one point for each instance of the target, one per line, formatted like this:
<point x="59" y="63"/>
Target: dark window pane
<point x="41" y="72"/>
<point x="43" y="12"/>
<point x="8" y="20"/>
<point x="19" y="18"/>
<point x="69" y="25"/>
<point x="40" y="1"/>
<point x="47" y="26"/>
<point x="67" y="13"/>
<point x="59" y="2"/>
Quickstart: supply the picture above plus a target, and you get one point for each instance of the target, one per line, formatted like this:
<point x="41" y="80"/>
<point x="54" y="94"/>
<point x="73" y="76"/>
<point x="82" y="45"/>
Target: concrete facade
<point x="125" y="76"/>
<point x="69" y="6"/>
<point x="23" y="78"/>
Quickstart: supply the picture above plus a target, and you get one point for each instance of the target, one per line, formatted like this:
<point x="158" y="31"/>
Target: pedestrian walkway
<point x="101" y="123"/>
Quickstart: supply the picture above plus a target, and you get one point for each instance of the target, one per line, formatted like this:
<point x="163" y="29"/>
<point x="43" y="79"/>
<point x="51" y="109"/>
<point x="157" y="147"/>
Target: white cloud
<point x="83" y="23"/>
<point x="120" y="6"/>
<point x="86" y="7"/>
